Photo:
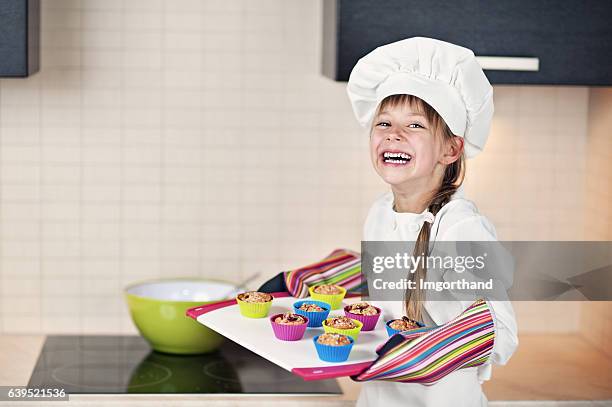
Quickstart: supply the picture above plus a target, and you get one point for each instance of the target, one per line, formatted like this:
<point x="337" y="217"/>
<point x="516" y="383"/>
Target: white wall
<point x="177" y="138"/>
<point x="596" y="317"/>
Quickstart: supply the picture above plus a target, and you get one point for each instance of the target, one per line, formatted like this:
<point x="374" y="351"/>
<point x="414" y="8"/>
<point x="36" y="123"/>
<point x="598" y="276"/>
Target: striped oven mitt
<point x="341" y="267"/>
<point x="426" y="358"/>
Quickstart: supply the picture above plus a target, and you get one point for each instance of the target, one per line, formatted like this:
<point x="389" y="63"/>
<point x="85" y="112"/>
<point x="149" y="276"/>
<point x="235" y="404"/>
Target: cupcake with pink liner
<point x="289" y="326"/>
<point x="365" y="313"/>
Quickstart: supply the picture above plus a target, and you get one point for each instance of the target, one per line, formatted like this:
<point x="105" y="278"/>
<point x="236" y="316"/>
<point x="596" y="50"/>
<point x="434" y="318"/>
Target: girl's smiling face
<point x="403" y="147"/>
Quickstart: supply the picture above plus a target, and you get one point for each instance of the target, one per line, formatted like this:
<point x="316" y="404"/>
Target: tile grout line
<point x="81" y="183"/>
<point x="162" y="128"/>
<point x="40" y="205"/>
<point x="241" y="230"/>
<point x="121" y="246"/>
<point x="278" y="167"/>
<point x="201" y="269"/>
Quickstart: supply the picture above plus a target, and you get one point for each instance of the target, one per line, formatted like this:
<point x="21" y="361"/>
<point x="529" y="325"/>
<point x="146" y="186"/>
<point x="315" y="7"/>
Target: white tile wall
<point x="598" y="214"/>
<point x="596" y="317"/>
<point x="166" y="138"/>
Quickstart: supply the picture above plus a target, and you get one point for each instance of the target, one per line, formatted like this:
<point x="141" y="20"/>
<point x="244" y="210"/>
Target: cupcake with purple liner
<point x="401" y="325"/>
<point x="365" y="313"/>
<point x="289" y="326"/>
<point x="315" y="311"/>
<point x="333" y="347"/>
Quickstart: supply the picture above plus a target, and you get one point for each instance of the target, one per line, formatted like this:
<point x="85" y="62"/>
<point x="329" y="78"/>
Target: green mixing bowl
<point x="158" y="310"/>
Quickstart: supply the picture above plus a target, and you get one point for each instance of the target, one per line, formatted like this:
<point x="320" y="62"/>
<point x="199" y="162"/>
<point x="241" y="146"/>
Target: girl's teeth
<point x="405" y="156"/>
<point x="396" y="158"/>
<point x="395" y="161"/>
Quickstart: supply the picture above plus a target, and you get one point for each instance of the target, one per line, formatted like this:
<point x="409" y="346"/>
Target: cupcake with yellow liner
<point x="330" y="293"/>
<point x="343" y="325"/>
<point x="254" y="304"/>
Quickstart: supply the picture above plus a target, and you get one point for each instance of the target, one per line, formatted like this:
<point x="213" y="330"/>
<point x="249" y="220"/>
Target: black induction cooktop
<point x="126" y="364"/>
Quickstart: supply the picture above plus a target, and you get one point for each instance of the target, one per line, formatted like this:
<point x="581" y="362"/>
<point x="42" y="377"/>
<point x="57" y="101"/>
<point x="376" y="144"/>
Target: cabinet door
<point x="571" y="38"/>
<point x="19" y="37"/>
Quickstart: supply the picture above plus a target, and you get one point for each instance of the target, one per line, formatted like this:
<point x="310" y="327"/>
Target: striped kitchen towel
<point x="465" y="341"/>
<point x="341" y="267"/>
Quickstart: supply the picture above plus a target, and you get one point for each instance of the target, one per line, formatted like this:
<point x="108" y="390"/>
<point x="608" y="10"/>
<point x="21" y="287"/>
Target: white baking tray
<point x="299" y="357"/>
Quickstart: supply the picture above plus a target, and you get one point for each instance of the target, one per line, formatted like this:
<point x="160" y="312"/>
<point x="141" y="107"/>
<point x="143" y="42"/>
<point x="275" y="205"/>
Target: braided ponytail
<point x="452" y="179"/>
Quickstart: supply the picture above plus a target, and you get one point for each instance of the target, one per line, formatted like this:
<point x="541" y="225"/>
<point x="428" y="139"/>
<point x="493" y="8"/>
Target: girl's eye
<point x="411" y="125"/>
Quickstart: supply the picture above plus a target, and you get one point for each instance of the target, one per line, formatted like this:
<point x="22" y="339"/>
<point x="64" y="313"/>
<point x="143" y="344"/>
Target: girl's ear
<point x="452" y="150"/>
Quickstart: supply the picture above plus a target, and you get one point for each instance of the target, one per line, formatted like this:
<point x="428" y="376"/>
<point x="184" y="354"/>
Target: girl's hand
<point x="465" y="341"/>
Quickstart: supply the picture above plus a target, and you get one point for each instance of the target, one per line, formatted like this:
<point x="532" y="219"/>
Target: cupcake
<point x="311" y="307"/>
<point x="289" y="318"/>
<point x="329" y="293"/>
<point x="343" y="325"/>
<point x="254" y="304"/>
<point x="364" y="312"/>
<point x="333" y="339"/>
<point x="400" y="325"/>
<point x="289" y="326"/>
<point x="315" y="311"/>
<point x="327" y="289"/>
<point x="333" y="347"/>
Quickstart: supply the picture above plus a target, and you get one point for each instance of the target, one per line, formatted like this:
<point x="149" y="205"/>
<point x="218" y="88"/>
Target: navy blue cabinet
<point x="19" y="37"/>
<point x="570" y="41"/>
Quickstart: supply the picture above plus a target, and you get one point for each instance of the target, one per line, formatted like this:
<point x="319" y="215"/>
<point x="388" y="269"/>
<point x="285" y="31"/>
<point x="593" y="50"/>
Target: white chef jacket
<point x="458" y="220"/>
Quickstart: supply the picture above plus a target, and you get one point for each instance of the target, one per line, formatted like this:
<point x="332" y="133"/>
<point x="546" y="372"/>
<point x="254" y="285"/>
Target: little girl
<point x="427" y="105"/>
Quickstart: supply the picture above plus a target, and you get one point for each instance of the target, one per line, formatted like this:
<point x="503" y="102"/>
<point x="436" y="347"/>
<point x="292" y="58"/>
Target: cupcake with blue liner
<point x="315" y="311"/>
<point x="401" y="325"/>
<point x="333" y="347"/>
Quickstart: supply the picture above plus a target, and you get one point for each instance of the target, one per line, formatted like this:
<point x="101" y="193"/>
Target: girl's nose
<point x="394" y="137"/>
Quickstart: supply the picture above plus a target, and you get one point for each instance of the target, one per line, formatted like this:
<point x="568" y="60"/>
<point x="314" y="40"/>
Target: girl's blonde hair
<point x="452" y="179"/>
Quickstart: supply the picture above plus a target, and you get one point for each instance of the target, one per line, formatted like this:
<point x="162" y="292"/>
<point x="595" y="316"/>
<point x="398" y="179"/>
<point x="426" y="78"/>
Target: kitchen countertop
<point x="545" y="367"/>
<point x="19" y="353"/>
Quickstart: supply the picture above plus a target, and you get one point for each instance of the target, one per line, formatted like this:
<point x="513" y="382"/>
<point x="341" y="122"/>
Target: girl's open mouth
<point x="396" y="158"/>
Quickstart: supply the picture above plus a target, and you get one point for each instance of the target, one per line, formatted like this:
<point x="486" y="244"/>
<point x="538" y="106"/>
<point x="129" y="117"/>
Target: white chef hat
<point x="444" y="75"/>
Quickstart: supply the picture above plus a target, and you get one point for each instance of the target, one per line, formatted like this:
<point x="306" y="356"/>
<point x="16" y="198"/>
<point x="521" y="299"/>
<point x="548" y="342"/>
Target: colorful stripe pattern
<point x="341" y="267"/>
<point x="407" y="335"/>
<point x="465" y="341"/>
